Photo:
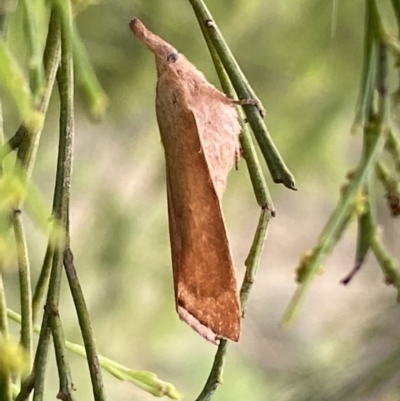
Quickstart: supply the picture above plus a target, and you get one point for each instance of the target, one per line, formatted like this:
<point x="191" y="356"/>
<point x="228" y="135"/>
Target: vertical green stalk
<point x="30" y="139"/>
<point x="5" y="378"/>
<point x="26" y="156"/>
<point x="249" y="153"/>
<point x="375" y="134"/>
<point x="24" y="284"/>
<point x="61" y="195"/>
<point x="368" y="72"/>
<point x="42" y="283"/>
<point x="277" y="167"/>
<point x="95" y="99"/>
<point x="35" y="58"/>
<point x="85" y="325"/>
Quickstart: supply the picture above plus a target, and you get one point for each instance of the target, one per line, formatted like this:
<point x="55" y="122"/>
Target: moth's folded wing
<point x="204" y="277"/>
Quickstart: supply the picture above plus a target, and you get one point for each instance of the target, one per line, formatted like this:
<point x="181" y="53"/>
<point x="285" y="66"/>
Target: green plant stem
<point x="96" y="99"/>
<point x="61" y="195"/>
<point x="5" y="378"/>
<point x="336" y="223"/>
<point x="252" y="263"/>
<point x="35" y="59"/>
<point x="389" y="40"/>
<point x="24" y="284"/>
<point x="36" y="380"/>
<point x="26" y="156"/>
<point x="375" y="136"/>
<point x="147" y="381"/>
<point x="249" y="153"/>
<point x="85" y="325"/>
<point x="215" y="376"/>
<point x="6" y="9"/>
<point x="279" y="172"/>
<point x="368" y="72"/>
<point x="43" y="281"/>
<point x="27" y="148"/>
<point x="387" y="263"/>
<point x="364" y="229"/>
<point x="393" y="147"/>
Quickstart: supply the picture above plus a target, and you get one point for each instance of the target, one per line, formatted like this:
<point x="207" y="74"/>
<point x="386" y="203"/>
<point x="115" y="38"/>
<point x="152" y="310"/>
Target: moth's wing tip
<point x="203" y="330"/>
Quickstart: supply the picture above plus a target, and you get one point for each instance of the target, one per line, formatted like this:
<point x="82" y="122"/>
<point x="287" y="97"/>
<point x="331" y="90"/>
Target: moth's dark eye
<point x="172" y="57"/>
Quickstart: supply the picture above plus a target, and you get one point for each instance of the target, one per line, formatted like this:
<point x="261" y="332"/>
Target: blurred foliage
<point x="307" y="78"/>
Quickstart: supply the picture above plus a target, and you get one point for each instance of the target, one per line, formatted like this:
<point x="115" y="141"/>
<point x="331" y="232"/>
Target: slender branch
<point x="43" y="281"/>
<point x="253" y="259"/>
<point x="24" y="284"/>
<point x="66" y="391"/>
<point x="28" y="147"/>
<point x="96" y="99"/>
<point x="215" y="376"/>
<point x="375" y="136"/>
<point x="26" y="156"/>
<point x="5" y="379"/>
<point x="388" y="264"/>
<point x="391" y="185"/>
<point x="85" y="325"/>
<point x="336" y="223"/>
<point x="393" y="148"/>
<point x="26" y="388"/>
<point x="249" y="153"/>
<point x="368" y="73"/>
<point x="279" y="172"/>
<point x="364" y="229"/>
<point x="36" y="380"/>
<point x="145" y="380"/>
<point x="35" y="59"/>
<point x="61" y="195"/>
<point x="228" y="70"/>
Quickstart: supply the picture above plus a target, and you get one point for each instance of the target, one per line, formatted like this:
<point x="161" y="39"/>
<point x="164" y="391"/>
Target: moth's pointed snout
<point x="136" y="26"/>
<point x="153" y="42"/>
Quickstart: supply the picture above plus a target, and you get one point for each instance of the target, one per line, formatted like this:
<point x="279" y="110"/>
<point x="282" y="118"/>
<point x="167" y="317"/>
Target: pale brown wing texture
<point x="199" y="132"/>
<point x="205" y="284"/>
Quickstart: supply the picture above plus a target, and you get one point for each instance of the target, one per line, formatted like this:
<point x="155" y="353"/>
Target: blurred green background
<point x="304" y="60"/>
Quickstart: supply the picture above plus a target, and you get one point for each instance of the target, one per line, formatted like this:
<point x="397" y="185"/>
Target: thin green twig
<point x="24" y="284"/>
<point x="252" y="261"/>
<point x="146" y="380"/>
<point x="43" y="281"/>
<point x="368" y="73"/>
<point x="260" y="188"/>
<point x="279" y="171"/>
<point x="29" y="143"/>
<point x="26" y="155"/>
<point x="61" y="195"/>
<point x="375" y="136"/>
<point x="85" y="325"/>
<point x="5" y="379"/>
<point x="35" y="57"/>
<point x="96" y="99"/>
<point x="249" y="153"/>
<point x="393" y="148"/>
<point x="337" y="221"/>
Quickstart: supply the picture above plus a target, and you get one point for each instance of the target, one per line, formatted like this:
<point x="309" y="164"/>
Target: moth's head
<point x="166" y="55"/>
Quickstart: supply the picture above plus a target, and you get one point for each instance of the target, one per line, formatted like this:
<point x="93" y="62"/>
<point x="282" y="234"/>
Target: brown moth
<point x="200" y="133"/>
